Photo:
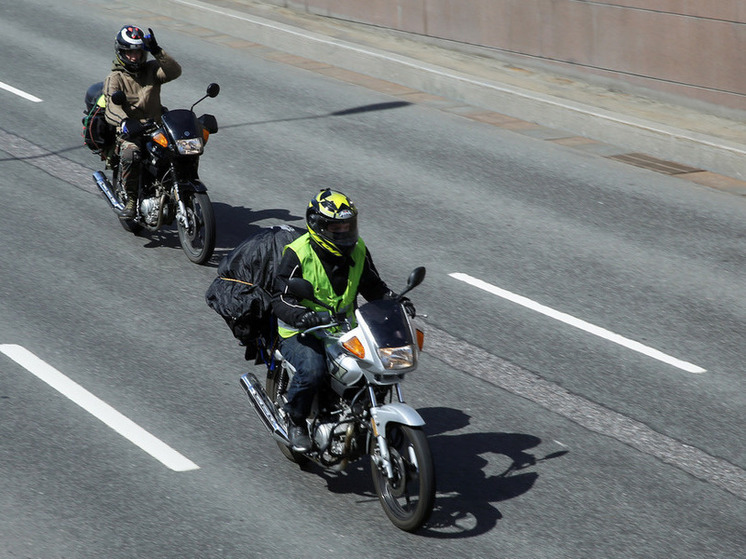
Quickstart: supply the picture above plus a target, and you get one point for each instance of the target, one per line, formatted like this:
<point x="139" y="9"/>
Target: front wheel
<point x="408" y="497"/>
<point x="197" y="235"/>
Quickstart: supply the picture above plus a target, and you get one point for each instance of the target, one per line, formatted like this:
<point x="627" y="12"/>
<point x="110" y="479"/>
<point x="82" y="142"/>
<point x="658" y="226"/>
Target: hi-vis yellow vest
<point x="313" y="271"/>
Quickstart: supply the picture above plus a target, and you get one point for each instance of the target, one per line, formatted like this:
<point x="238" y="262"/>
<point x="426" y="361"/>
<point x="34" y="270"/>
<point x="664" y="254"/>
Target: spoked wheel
<point x="198" y="239"/>
<point x="408" y="497"/>
<point x="275" y="382"/>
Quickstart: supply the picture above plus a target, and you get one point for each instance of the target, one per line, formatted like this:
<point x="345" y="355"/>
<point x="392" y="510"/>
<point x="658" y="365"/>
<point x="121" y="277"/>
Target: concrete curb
<point x="706" y="151"/>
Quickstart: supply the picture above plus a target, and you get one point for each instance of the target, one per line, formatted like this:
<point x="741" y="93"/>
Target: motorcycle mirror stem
<point x="415" y="278"/>
<point x="212" y="91"/>
<point x="303" y="289"/>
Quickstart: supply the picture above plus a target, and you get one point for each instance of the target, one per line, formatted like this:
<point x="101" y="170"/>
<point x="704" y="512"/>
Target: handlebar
<point x="329" y="321"/>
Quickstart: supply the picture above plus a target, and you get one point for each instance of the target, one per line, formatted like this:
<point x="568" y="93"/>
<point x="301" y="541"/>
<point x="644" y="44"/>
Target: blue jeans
<point x="306" y="354"/>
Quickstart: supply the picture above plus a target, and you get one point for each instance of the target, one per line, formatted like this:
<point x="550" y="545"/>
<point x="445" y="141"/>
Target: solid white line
<point x="20" y="93"/>
<point x="405" y="61"/>
<point x="98" y="408"/>
<point x="577" y="323"/>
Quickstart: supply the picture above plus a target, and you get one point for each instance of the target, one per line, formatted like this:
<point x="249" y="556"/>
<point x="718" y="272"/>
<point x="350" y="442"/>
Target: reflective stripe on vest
<point x="313" y="270"/>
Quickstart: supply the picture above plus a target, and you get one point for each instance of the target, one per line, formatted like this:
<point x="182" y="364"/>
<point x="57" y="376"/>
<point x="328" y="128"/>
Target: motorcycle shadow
<point x="234" y="225"/>
<point x="474" y="471"/>
<point x="237" y="223"/>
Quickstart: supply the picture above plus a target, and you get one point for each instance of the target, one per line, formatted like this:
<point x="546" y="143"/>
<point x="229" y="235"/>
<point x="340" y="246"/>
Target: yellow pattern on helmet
<point x="331" y="218"/>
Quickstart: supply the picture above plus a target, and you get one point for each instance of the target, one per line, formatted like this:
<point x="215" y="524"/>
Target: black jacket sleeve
<point x="286" y="307"/>
<point x="372" y="287"/>
<point x="289" y="309"/>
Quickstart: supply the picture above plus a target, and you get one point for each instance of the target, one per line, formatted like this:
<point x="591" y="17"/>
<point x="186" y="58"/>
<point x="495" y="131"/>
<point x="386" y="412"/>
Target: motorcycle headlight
<point x="394" y="358"/>
<point x="190" y="146"/>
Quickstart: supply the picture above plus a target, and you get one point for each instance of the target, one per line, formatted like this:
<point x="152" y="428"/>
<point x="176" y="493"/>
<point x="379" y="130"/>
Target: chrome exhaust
<point x="105" y="186"/>
<point x="264" y="408"/>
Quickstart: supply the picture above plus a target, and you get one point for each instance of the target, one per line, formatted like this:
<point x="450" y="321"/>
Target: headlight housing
<point x="395" y="358"/>
<point x="190" y="146"/>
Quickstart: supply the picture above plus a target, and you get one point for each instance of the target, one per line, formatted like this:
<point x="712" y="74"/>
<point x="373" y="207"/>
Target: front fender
<point x="396" y="412"/>
<point x="193" y="185"/>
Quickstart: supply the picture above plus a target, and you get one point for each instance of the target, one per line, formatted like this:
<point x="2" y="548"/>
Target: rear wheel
<point x="278" y="381"/>
<point x="198" y="237"/>
<point x="408" y="497"/>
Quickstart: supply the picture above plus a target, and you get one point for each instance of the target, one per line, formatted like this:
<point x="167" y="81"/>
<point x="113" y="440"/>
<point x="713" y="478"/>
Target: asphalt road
<point x="585" y="400"/>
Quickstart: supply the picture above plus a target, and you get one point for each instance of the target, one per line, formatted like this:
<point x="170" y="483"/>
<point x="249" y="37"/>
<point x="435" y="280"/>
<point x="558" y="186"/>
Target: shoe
<point x="129" y="210"/>
<point x="298" y="435"/>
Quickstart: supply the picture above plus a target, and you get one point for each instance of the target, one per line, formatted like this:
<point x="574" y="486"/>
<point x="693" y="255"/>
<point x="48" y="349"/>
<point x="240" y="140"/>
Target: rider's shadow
<point x="233" y="225"/>
<point x="473" y="472"/>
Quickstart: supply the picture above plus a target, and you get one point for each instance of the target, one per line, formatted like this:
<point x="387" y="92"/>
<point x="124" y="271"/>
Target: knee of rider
<point x="130" y="152"/>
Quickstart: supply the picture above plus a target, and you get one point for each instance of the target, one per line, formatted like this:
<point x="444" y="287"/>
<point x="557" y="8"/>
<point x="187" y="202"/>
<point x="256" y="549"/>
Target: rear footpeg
<point x="264" y="408"/>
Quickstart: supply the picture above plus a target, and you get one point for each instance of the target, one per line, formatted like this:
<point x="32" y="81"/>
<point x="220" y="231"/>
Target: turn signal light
<point x="354" y="346"/>
<point x="420" y="339"/>
<point x="160" y="139"/>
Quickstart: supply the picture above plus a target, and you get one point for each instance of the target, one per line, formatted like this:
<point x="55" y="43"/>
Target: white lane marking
<point x="98" y="408"/>
<point x="478" y="363"/>
<point x="20" y="93"/>
<point x="577" y="323"/>
<point x="406" y="62"/>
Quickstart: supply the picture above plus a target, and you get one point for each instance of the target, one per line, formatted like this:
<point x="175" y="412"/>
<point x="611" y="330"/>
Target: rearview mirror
<point x="118" y="98"/>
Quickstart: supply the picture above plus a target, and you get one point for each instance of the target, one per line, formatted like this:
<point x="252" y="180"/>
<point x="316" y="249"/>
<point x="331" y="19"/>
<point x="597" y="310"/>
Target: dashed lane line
<point x="99" y="409"/>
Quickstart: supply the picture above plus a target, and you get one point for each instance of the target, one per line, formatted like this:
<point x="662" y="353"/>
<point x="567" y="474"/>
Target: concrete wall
<point x="693" y="49"/>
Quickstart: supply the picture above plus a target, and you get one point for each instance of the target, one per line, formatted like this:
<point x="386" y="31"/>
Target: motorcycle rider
<point x="336" y="261"/>
<point x="140" y="80"/>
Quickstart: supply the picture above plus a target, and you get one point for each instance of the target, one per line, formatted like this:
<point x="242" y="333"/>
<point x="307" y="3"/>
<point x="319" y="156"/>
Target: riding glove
<point x="150" y="43"/>
<point x="408" y="306"/>
<point x="309" y="319"/>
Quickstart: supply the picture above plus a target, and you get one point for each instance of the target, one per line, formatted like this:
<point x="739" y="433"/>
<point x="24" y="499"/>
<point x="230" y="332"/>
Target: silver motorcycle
<point x="360" y="411"/>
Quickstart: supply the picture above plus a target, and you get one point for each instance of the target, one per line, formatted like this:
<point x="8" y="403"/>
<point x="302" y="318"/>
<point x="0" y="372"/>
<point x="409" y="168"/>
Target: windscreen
<point x="181" y="124"/>
<point x="387" y="322"/>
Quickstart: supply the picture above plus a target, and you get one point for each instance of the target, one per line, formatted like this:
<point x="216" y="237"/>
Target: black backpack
<point x="98" y="134"/>
<point x="242" y="292"/>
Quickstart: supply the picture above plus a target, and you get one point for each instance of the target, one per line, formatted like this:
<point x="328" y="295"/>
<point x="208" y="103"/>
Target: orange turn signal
<point x="354" y="346"/>
<point x="160" y="139"/>
<point x="420" y="339"/>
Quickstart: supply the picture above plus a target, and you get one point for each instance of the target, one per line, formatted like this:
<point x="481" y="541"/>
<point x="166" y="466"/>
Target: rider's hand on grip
<point x="131" y="128"/>
<point x="309" y="319"/>
<point x="150" y="43"/>
<point x="408" y="306"/>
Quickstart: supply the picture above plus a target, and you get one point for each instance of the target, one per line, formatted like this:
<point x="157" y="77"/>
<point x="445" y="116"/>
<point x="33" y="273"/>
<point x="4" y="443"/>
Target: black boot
<point x="298" y="435"/>
<point x="129" y="209"/>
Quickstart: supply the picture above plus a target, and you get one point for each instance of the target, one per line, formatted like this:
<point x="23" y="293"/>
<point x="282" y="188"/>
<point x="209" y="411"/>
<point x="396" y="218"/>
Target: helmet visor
<point x="340" y="232"/>
<point x="133" y="56"/>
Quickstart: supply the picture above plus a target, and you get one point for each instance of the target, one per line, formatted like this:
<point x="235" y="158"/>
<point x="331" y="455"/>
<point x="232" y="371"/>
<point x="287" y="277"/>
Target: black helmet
<point x="331" y="218"/>
<point x="129" y="42"/>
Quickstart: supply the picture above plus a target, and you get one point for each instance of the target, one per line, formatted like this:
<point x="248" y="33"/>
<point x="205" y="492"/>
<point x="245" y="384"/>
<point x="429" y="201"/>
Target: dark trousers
<point x="306" y="354"/>
<point x="129" y="167"/>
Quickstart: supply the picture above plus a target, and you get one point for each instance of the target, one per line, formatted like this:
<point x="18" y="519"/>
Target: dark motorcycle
<point x="170" y="188"/>
<point x="360" y="411"/>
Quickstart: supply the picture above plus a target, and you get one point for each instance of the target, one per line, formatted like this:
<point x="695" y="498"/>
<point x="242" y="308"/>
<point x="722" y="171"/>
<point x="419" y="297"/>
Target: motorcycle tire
<point x="408" y="499"/>
<point x="198" y="242"/>
<point x="275" y="380"/>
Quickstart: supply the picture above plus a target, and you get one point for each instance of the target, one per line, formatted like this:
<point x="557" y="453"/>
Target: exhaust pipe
<point x="264" y="408"/>
<point x="105" y="186"/>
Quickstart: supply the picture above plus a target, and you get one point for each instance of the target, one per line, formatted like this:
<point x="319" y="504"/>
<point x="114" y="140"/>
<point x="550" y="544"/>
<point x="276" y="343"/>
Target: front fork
<point x="383" y="460"/>
<point x="181" y="213"/>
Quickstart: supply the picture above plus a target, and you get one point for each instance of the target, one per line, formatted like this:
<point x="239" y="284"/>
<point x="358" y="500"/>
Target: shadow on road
<point x="233" y="225"/>
<point x="343" y="112"/>
<point x="468" y="486"/>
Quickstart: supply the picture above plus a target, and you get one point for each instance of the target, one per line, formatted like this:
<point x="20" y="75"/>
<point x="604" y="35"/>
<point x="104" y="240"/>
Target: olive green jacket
<point x="143" y="89"/>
